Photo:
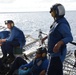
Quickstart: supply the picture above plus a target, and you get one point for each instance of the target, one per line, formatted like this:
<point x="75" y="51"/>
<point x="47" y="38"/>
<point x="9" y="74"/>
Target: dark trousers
<point x="17" y="63"/>
<point x="1" y="65"/>
<point x="7" y="47"/>
<point x="55" y="67"/>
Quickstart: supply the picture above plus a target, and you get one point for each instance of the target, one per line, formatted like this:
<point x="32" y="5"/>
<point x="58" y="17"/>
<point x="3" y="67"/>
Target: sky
<point x="33" y="5"/>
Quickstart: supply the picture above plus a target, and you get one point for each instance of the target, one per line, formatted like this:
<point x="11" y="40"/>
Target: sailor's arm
<point x="57" y="46"/>
<point x="44" y="39"/>
<point x="44" y="67"/>
<point x="3" y="40"/>
<point x="43" y="72"/>
<point x="0" y="42"/>
<point x="67" y="37"/>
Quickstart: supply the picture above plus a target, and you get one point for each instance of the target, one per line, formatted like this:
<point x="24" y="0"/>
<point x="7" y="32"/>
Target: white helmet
<point x="59" y="10"/>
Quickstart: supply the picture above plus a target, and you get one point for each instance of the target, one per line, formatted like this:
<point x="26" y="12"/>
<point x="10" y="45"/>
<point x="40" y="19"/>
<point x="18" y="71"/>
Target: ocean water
<point x="31" y="22"/>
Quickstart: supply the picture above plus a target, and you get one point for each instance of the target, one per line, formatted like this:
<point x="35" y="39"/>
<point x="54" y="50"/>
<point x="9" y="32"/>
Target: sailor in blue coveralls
<point x="16" y="38"/>
<point x="38" y="65"/>
<point x="59" y="36"/>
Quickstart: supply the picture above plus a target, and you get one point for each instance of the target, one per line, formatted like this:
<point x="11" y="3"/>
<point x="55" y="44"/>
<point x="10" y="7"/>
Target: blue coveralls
<point x="4" y="34"/>
<point x="16" y="38"/>
<point x="21" y="63"/>
<point x="61" y="32"/>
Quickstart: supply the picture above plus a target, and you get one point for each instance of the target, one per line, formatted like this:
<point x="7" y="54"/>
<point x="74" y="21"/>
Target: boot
<point x="4" y="70"/>
<point x="10" y="59"/>
<point x="4" y="59"/>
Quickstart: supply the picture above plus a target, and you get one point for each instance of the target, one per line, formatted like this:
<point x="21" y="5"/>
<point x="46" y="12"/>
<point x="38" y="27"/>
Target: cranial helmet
<point x="59" y="10"/>
<point x="8" y="21"/>
<point x="41" y="50"/>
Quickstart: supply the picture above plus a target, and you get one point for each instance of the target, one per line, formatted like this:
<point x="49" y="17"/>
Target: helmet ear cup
<point x="44" y="54"/>
<point x="12" y="24"/>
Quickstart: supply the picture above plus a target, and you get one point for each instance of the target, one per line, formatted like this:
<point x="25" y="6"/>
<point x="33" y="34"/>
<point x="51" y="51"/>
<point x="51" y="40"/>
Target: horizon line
<point x="31" y="11"/>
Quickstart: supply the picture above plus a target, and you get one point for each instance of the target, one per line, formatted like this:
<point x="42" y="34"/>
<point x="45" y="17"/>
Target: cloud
<point x="33" y="5"/>
<point x="6" y="1"/>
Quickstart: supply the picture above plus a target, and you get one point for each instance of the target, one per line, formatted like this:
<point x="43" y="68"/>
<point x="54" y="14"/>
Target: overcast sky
<point x="33" y="5"/>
